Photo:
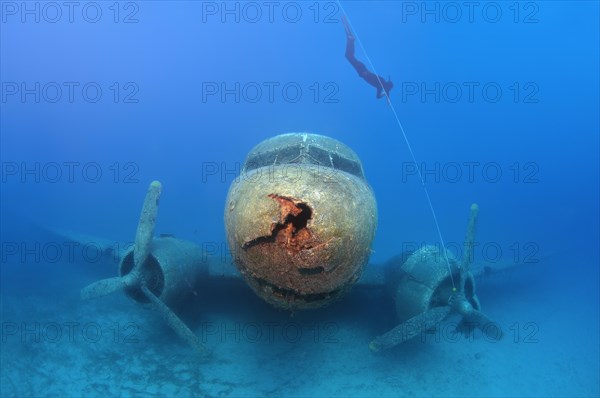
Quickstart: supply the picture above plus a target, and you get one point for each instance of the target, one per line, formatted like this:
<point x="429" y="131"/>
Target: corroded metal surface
<point x="301" y="231"/>
<point x="423" y="282"/>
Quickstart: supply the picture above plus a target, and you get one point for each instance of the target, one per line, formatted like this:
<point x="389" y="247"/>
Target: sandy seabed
<point x="55" y="345"/>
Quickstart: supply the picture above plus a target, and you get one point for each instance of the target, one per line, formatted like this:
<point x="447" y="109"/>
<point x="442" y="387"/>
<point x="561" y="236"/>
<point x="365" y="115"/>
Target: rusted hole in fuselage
<point x="291" y="232"/>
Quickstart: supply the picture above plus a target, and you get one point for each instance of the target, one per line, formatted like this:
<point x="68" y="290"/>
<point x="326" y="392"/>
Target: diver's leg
<point x="347" y="27"/>
<point x="350" y="49"/>
<point x="349" y="41"/>
<point x="360" y="68"/>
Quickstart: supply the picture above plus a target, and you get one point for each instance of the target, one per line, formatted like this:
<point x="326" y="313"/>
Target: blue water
<point x="500" y="105"/>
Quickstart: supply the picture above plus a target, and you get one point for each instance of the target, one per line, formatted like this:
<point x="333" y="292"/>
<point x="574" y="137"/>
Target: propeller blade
<point x="103" y="287"/>
<point x="141" y="251"/>
<point x="478" y="319"/>
<point x="145" y="228"/>
<point x="174" y="322"/>
<point x="469" y="244"/>
<point x="410" y="329"/>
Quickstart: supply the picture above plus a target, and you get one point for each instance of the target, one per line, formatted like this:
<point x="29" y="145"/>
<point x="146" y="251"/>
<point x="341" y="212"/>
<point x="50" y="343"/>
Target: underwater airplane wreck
<point x="300" y="224"/>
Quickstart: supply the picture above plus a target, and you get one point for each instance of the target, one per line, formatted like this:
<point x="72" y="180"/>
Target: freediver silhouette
<point x="383" y="86"/>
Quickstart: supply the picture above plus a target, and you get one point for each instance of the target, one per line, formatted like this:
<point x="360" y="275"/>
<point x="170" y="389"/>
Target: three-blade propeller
<point x="458" y="303"/>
